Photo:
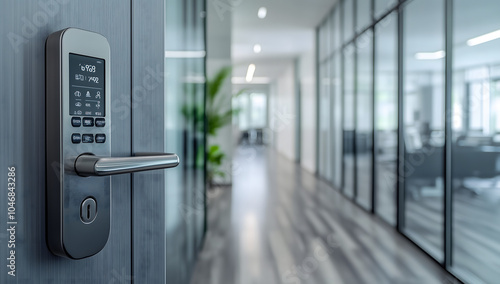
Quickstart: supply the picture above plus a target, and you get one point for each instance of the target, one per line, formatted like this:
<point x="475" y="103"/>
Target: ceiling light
<point x="262" y="12"/>
<point x="257" y="48"/>
<point x="484" y="38"/>
<point x="256" y="80"/>
<point x="250" y="72"/>
<point x="185" y="54"/>
<point x="430" y="55"/>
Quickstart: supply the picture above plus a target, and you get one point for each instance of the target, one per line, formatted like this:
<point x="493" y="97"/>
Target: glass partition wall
<point x="349" y="121"/>
<point x="184" y="134"/>
<point x="423" y="118"/>
<point x="475" y="148"/>
<point x="324" y="126"/>
<point x="411" y="93"/>
<point x="386" y="117"/>
<point x="364" y="118"/>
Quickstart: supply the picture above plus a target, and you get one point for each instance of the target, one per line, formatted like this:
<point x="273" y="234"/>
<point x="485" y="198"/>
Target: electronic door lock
<point x="78" y="146"/>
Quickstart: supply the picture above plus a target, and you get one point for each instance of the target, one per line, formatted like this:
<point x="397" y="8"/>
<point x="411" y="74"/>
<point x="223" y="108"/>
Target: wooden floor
<point x="280" y="224"/>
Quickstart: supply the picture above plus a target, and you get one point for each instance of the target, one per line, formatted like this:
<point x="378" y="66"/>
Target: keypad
<point x="77" y="138"/>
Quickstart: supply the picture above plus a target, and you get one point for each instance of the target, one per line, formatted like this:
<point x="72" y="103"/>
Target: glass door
<point x="184" y="130"/>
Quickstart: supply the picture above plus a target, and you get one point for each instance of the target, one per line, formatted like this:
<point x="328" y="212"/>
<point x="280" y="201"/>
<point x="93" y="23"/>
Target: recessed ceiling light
<point x="257" y="48"/>
<point x="484" y="38"/>
<point x="430" y="55"/>
<point x="262" y="12"/>
<point x="250" y="72"/>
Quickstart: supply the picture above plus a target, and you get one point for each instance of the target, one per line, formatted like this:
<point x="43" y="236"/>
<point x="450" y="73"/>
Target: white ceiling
<point x="286" y="32"/>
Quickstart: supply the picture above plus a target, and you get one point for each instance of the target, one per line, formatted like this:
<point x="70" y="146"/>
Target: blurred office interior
<point x="369" y="129"/>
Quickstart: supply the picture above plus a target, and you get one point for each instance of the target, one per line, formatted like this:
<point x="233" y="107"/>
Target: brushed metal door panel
<point x="24" y="28"/>
<point x="148" y="195"/>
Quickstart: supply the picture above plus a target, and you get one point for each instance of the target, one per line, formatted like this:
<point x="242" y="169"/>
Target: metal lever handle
<point x="90" y="165"/>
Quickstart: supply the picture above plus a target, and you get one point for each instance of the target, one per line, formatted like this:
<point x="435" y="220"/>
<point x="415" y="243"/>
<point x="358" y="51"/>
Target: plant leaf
<point x="214" y="85"/>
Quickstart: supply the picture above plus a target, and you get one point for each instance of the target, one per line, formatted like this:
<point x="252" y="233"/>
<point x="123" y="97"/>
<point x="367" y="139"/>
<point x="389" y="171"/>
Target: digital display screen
<point x="86" y="90"/>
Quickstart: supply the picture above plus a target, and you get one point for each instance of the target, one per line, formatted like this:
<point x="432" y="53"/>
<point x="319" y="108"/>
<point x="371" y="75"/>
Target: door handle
<point x="90" y="165"/>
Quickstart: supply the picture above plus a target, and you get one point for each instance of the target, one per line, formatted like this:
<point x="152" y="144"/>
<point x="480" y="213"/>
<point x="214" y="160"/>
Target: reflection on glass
<point x="424" y="123"/>
<point x="349" y="120"/>
<point x="363" y="16"/>
<point x="386" y="117"/>
<point x="331" y="37"/>
<point x="324" y="40"/>
<point x="324" y="137"/>
<point x="348" y="19"/>
<point x="337" y="121"/>
<point x="476" y="142"/>
<point x="382" y="6"/>
<point x="364" y="120"/>
<point x="184" y="134"/>
<point x="325" y="169"/>
<point x="337" y="40"/>
<point x="336" y="107"/>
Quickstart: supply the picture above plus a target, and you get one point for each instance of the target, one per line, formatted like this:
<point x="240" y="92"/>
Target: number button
<point x="88" y="138"/>
<point x="100" y="138"/>
<point x="76" y="138"/>
<point x="76" y="121"/>
<point x="88" y="122"/>
<point x="100" y="122"/>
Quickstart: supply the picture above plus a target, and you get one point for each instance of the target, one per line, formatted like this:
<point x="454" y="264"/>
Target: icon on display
<point x="98" y="105"/>
<point x="78" y="104"/>
<point x="79" y="77"/>
<point x="88" y="94"/>
<point x="78" y="94"/>
<point x="87" y="104"/>
<point x="79" y="112"/>
<point x="88" y="113"/>
<point x="98" y="96"/>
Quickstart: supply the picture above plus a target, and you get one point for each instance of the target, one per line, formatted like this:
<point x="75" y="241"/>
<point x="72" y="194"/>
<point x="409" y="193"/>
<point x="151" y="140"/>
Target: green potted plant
<point x="218" y="113"/>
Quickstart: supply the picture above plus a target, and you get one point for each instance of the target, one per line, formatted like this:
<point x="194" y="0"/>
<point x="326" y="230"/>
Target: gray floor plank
<point x="280" y="224"/>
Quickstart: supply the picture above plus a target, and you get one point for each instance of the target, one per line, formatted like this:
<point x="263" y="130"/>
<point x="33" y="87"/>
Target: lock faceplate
<point x="72" y="55"/>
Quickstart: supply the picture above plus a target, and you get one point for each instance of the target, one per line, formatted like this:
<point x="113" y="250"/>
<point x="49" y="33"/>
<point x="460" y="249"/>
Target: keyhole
<point x="88" y="210"/>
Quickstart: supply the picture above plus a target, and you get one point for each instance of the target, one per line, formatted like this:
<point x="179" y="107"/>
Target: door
<point x="146" y="233"/>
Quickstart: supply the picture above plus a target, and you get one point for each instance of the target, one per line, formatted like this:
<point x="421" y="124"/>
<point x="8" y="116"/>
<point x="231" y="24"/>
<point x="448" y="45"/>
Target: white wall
<point x="282" y="112"/>
<point x="307" y="73"/>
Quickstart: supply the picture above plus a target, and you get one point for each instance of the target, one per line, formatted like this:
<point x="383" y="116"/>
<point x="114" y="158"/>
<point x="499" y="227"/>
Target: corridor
<point x="281" y="224"/>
